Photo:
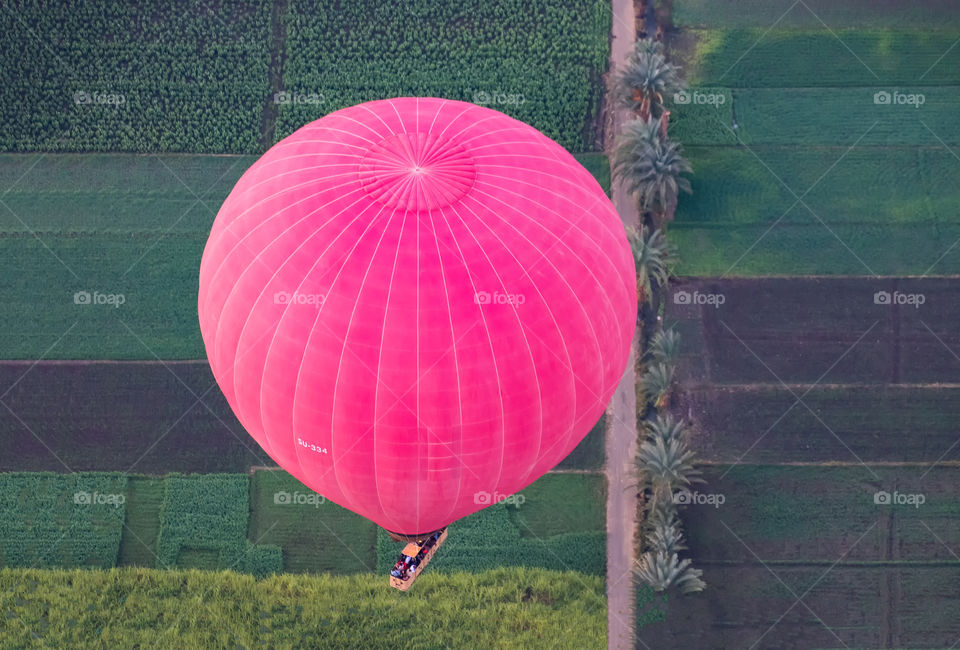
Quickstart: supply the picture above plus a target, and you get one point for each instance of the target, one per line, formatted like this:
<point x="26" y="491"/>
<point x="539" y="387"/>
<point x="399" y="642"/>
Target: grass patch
<point x="591" y="452"/>
<point x="787" y="13"/>
<point x="138" y="543"/>
<point x="598" y="165"/>
<point x="506" y="608"/>
<point x="806" y="58"/>
<point x="315" y="537"/>
<point x="561" y="503"/>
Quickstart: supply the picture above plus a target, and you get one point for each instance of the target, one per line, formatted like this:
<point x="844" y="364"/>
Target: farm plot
<point x="50" y="520"/>
<point x="858" y="607"/>
<point x="831" y="330"/>
<point x="203" y="524"/>
<point x="127" y="416"/>
<point x="315" y="535"/>
<point x="505" y="535"/>
<point x="126" y="229"/>
<point x="805" y="58"/>
<point x="766" y="424"/>
<point x="791" y="514"/>
<point x="131" y="77"/>
<point x="537" y="61"/>
<point x="787" y="13"/>
<point x="820" y="116"/>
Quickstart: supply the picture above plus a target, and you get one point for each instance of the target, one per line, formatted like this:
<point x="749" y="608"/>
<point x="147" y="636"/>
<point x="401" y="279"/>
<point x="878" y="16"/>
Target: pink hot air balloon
<point x="417" y="305"/>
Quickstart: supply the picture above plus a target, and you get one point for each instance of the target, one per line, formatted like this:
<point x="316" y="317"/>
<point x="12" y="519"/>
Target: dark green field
<point x="315" y="537"/>
<point x="849" y="13"/>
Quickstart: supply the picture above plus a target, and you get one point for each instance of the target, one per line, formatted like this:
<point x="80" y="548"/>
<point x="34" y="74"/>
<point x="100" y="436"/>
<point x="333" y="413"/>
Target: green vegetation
<point x="122" y="76"/>
<point x="563" y="531"/>
<point x="598" y="165"/>
<point x="538" y="61"/>
<point x="138" y="544"/>
<point x="204" y="520"/>
<point x="114" y="224"/>
<point x="506" y="608"/>
<point x="591" y="452"/>
<point x="788" y="13"/>
<point x="315" y="535"/>
<point x="561" y="503"/>
<point x="900" y="59"/>
<point x="61" y="520"/>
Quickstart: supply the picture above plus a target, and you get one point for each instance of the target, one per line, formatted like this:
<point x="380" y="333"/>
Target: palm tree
<point x="655" y="383"/>
<point x="652" y="171"/>
<point x="653" y="256"/>
<point x="664" y="532"/>
<point x="665" y="346"/>
<point x="668" y="464"/>
<point x="646" y="77"/>
<point x="663" y="570"/>
<point x="667" y="428"/>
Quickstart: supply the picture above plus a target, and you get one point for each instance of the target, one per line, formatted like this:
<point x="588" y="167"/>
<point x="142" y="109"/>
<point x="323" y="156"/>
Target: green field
<point x="559" y="524"/>
<point x="119" y="225"/>
<point x="804" y="58"/>
<point x="315" y="535"/>
<point x="55" y="520"/>
<point x="742" y="220"/>
<point x="507" y="608"/>
<point x="816" y="13"/>
<point x="126" y="76"/>
<point x="539" y="61"/>
<point x="829" y="117"/>
<point x="138" y="543"/>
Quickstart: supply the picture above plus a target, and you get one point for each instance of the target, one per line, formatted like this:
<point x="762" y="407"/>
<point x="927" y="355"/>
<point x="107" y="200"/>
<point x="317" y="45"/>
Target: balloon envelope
<point x="417" y="307"/>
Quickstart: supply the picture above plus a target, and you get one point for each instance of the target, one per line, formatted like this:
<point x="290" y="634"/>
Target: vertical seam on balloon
<point x="486" y="327"/>
<point x="456" y="365"/>
<point x="575" y="294"/>
<point x="516" y="314"/>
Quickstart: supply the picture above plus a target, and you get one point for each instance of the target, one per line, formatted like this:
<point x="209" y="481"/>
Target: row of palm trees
<point x="652" y="167"/>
